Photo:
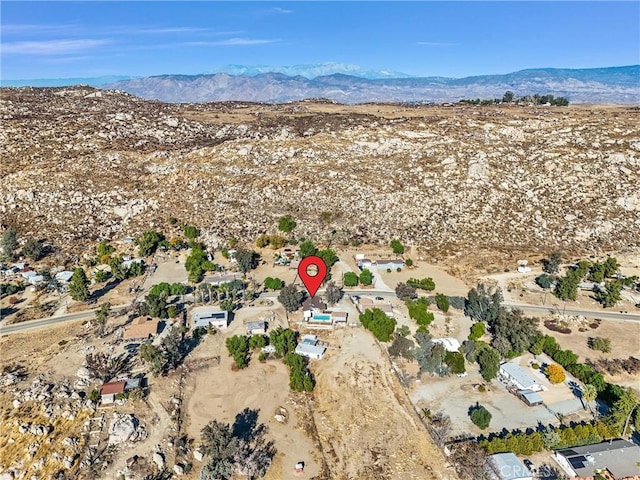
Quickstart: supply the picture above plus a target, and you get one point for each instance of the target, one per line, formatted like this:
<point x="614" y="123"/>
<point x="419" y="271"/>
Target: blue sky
<point x="454" y="39"/>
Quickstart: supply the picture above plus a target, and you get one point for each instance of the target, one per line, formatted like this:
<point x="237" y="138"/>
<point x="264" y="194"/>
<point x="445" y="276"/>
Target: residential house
<point x="312" y="305"/>
<point x="217" y="280"/>
<point x="506" y="466"/>
<point x="619" y="459"/>
<point x="308" y="347"/>
<point x="516" y="376"/>
<point x="35" y="279"/>
<point x="128" y="263"/>
<point x="389" y="264"/>
<point x="108" y="391"/>
<point x="339" y="317"/>
<point x="142" y="328"/>
<point x="365" y="263"/>
<point x="64" y="276"/>
<point x="209" y="317"/>
<point x="254" y="328"/>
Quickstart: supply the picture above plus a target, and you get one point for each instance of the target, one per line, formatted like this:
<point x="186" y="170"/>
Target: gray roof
<point x="507" y="467"/>
<point x="255" y="325"/>
<point x="518" y="374"/>
<point x="531" y="396"/>
<point x="620" y="457"/>
<point x="305" y="348"/>
<point x="210" y="315"/>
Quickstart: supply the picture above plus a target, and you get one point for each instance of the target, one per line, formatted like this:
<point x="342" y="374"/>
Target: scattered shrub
<point x="480" y="416"/>
<point x="556" y="326"/>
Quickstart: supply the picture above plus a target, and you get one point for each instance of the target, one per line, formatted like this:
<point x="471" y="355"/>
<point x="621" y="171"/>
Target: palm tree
<point x="589" y="394"/>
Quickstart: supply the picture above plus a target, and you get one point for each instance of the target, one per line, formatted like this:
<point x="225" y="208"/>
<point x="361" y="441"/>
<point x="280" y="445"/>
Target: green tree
<point x="104" y="248"/>
<point x="286" y="224"/>
<point x="283" y="340"/>
<point x="307" y="248"/>
<point x="329" y="257"/>
<point x="273" y="283"/>
<point x="257" y="341"/>
<point x="480" y="416"/>
<point x="299" y="378"/>
<point x="378" y="323"/>
<point x="101" y="276"/>
<point x="402" y="346"/>
<point x="9" y="242"/>
<point x="397" y="247"/>
<point x="350" y="279"/>
<point x="477" y="331"/>
<point x="79" y="286"/>
<point x="508" y="97"/>
<point x="483" y="304"/>
<point x="544" y="281"/>
<point x="291" y="298"/>
<point x="455" y="361"/>
<point x="103" y="313"/>
<point x="489" y="361"/>
<point x="247" y="259"/>
<point x="333" y="293"/>
<point x="366" y="277"/>
<point x="34" y="249"/>
<point x="442" y="302"/>
<point x="418" y="311"/>
<point x="552" y="264"/>
<point x="611" y="293"/>
<point x="155" y="305"/>
<point x="238" y="347"/>
<point x="409" y="262"/>
<point x="589" y="394"/>
<point x="190" y="232"/>
<point x="423" y="284"/>
<point x="567" y="288"/>
<point x="404" y="331"/>
<point x="148" y="242"/>
<point x="405" y="291"/>
<point x="153" y="356"/>
<point x="118" y="270"/>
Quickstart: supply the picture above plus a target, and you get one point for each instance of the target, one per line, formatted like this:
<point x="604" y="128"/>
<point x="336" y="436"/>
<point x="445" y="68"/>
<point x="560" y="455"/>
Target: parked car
<point x="379" y="298"/>
<point x="529" y="464"/>
<point x="131" y="346"/>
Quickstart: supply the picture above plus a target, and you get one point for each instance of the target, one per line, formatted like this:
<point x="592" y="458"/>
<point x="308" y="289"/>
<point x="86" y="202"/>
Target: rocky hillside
<point x="80" y="163"/>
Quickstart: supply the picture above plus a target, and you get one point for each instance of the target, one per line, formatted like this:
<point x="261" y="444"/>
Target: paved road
<point x="88" y="314"/>
<point x="49" y="321"/>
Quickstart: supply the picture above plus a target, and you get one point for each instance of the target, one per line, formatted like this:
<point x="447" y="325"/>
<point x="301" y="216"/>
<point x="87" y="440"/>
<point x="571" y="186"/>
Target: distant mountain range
<point x="310" y="71"/>
<point x="594" y="85"/>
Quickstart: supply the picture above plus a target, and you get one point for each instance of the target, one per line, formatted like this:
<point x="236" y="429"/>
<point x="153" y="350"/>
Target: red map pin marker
<point x="312" y="282"/>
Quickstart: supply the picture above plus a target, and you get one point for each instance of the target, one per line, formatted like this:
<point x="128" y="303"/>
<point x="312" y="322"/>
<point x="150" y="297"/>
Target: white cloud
<point x="231" y="42"/>
<point x="281" y="10"/>
<point x="33" y="28"/>
<point x="52" y="47"/>
<point x="437" y="44"/>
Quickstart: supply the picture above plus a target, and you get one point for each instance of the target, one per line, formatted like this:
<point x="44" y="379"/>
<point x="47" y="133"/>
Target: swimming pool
<point x="321" y="317"/>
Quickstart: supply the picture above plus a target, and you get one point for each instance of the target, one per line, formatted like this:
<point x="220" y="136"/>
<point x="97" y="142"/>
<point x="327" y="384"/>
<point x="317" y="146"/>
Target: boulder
<point x="122" y="428"/>
<point x="158" y="459"/>
<point x="197" y="454"/>
<point x="178" y="469"/>
<point x="84" y="373"/>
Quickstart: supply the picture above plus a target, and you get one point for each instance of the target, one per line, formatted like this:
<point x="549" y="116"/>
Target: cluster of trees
<point x="241" y="448"/>
<point x="378" y="323"/>
<point x="169" y="289"/>
<point x="487" y="357"/>
<point x="275" y="241"/>
<point x="149" y="242"/>
<point x="271" y="283"/>
<point x="33" y="249"/>
<point x="431" y="356"/>
<point x="197" y="263"/>
<point x="284" y="341"/>
<point x="333" y="293"/>
<point x="405" y="292"/>
<point x="566" y="287"/>
<point x="352" y="279"/>
<point x="226" y="294"/>
<point x="522" y="443"/>
<point x="247" y="259"/>
<point x="170" y="353"/>
<point x="423" y="284"/>
<point x="238" y="347"/>
<point x="510" y="97"/>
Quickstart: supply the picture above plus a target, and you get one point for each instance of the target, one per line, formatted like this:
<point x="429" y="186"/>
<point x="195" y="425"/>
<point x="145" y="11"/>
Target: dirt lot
<point x="366" y="425"/>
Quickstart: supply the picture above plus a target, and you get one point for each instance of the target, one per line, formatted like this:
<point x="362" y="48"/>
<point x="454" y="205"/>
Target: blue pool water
<point x="322" y="317"/>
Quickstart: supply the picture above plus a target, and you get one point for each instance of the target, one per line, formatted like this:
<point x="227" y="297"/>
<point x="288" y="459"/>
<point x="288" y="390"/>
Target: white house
<point x="64" y="276"/>
<point x="619" y="458"/>
<point x="515" y="375"/>
<point x="308" y="347"/>
<point x="209" y="317"/>
<point x="311" y="306"/>
<point x="449" y="344"/>
<point x="391" y="264"/>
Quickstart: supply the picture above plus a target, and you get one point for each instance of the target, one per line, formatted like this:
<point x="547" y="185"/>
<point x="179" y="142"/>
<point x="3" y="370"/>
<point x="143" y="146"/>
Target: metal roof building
<point x="516" y="375"/>
<point x="506" y="466"/>
<point x="618" y="457"/>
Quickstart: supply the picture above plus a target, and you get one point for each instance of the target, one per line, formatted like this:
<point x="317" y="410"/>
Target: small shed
<point x="109" y="391"/>
<point x="254" y="328"/>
